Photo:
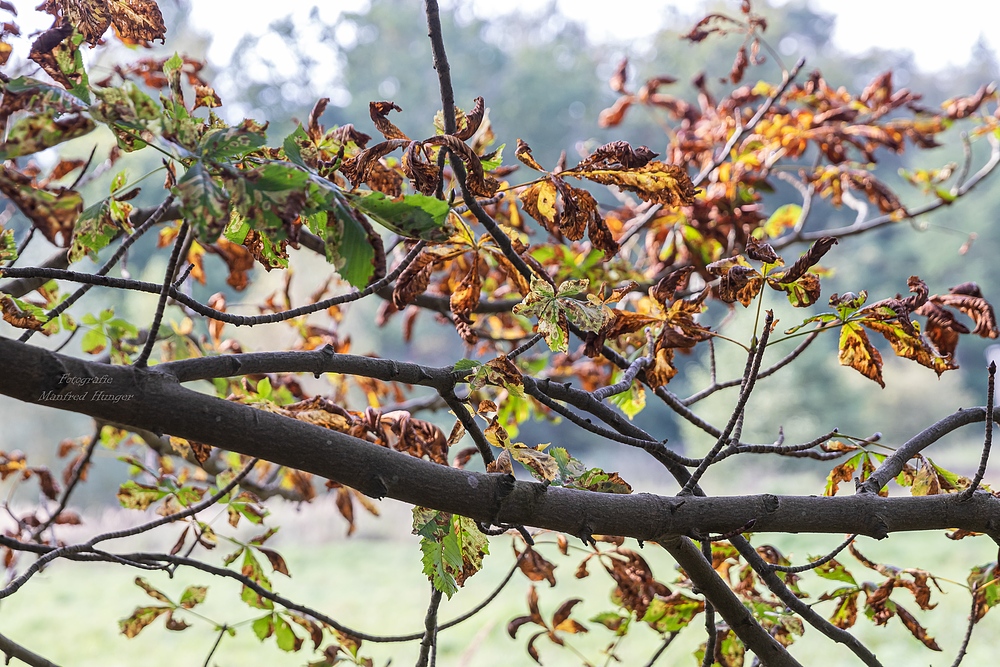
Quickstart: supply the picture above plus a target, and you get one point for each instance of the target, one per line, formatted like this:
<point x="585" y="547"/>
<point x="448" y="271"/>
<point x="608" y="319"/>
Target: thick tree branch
<point x="156" y="402"/>
<point x="730" y="607"/>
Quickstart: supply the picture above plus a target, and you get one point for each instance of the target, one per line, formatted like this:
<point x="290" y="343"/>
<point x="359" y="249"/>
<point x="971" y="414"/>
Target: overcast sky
<point x="939" y="34"/>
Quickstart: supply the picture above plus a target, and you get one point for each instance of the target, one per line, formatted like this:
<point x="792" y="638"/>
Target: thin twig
<point x="469" y="422"/>
<point x="750" y="378"/>
<point x="153" y="219"/>
<point x="161" y="305"/>
<point x="35" y="567"/>
<point x="218" y="640"/>
<point x="787" y="359"/>
<point x="202" y="309"/>
<point x="78" y="471"/>
<point x="988" y="440"/>
<point x="778" y="587"/>
<point x="816" y="563"/>
<point x="661" y="649"/>
<point x="709" y="658"/>
<point x="525" y="346"/>
<point x="968" y="629"/>
<point x="859" y="227"/>
<point x="428" y="645"/>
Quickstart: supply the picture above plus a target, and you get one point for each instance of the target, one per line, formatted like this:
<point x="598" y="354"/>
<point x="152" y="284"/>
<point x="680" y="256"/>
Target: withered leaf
<point x="656" y="182"/>
<point x="379" y="111"/>
<point x="662" y="370"/>
<point x="761" y="252"/>
<point x="53" y="212"/>
<point x="137" y="21"/>
<point x="523" y="153"/>
<point x="857" y="352"/>
<point x="539" y="200"/>
<point x="618" y="79"/>
<point x="506" y="370"/>
<point x="238" y="260"/>
<point x="413" y="280"/>
<point x="479" y="183"/>
<point x="616" y="155"/>
<point x="465" y="298"/>
<point x="535" y="567"/>
<point x="806" y="260"/>
<point x="666" y="286"/>
<point x="424" y="174"/>
<point x="473" y="119"/>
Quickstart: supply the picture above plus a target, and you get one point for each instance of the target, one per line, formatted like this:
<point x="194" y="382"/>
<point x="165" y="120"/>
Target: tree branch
<point x="156" y="402"/>
<point x="730" y="607"/>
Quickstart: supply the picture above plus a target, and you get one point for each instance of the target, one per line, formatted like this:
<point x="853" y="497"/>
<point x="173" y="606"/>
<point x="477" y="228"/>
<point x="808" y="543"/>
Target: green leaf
<point x="784" y="218"/>
<point x="264" y="388"/>
<point x="193" y="596"/>
<point x="452" y="546"/>
<point x="495" y="160"/>
<point x="140" y="618"/>
<point x="8" y="247"/>
<point x="229" y="142"/>
<point x="204" y="203"/>
<point x="632" y="401"/>
<point x="413" y="216"/>
<point x="293" y="145"/>
<point x="555" y="310"/>
<point x="283" y="634"/>
<point x="94" y="230"/>
<point x="252" y="570"/>
<point x="466" y="364"/>
<point x="263" y="627"/>
<point x="134" y="496"/>
<point x="348" y="248"/>
<point x="835" y="571"/>
<point x="671" y="614"/>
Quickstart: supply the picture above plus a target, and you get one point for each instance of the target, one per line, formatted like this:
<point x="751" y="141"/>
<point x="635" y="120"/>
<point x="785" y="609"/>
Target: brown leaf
<point x="473" y="119"/>
<point x="346" y="508"/>
<point x="739" y="65"/>
<point x="807" y="260"/>
<point x="615" y="114"/>
<point x="655" y="182"/>
<point x="616" y="155"/>
<point x="16" y="317"/>
<point x="976" y="307"/>
<point x="916" y="629"/>
<point x="508" y="372"/>
<point x="523" y="153"/>
<point x="662" y="370"/>
<point x="535" y="567"/>
<point x="479" y="183"/>
<point x="52" y="211"/>
<point x="413" y="280"/>
<point x="359" y="168"/>
<point x="465" y="298"/>
<point x="238" y="260"/>
<point x="379" y="112"/>
<point x="137" y="21"/>
<point x="424" y="174"/>
<point x="668" y="285"/>
<point x="620" y="76"/>
<point x="760" y="251"/>
<point x="962" y="107"/>
<point x="276" y="560"/>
